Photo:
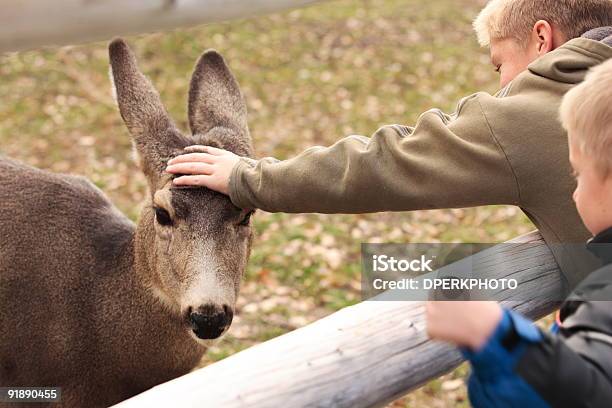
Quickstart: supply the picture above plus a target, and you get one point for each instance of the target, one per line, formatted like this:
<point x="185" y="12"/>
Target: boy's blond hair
<point x="502" y="19"/>
<point x="586" y="114"/>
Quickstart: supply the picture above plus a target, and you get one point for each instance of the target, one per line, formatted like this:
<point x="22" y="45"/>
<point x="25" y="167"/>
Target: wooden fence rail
<point x="27" y="24"/>
<point x="362" y="356"/>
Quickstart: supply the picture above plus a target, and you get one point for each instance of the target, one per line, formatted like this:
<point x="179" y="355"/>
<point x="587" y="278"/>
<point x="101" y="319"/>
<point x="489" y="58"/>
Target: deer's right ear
<point x="155" y="135"/>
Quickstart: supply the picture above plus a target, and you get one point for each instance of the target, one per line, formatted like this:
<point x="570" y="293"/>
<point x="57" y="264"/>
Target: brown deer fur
<point x="100" y="307"/>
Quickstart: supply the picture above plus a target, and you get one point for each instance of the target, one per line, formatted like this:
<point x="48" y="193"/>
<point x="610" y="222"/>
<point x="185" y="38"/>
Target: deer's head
<point x="195" y="242"/>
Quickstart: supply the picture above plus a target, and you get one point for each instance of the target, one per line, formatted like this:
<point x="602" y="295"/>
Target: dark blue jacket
<point x="521" y="366"/>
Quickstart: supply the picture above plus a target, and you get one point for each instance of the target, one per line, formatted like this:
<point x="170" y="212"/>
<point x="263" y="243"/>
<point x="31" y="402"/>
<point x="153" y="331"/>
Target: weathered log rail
<point x="27" y="24"/>
<point x="362" y="356"/>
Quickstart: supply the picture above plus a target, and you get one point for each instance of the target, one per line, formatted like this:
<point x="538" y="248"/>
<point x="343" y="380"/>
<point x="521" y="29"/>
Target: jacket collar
<point x="601" y="245"/>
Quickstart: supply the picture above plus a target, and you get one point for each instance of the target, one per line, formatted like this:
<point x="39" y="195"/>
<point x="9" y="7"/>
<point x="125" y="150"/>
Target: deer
<point x="100" y="306"/>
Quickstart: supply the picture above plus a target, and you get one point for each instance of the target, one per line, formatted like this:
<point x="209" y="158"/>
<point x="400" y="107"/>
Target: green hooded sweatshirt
<point x="508" y="148"/>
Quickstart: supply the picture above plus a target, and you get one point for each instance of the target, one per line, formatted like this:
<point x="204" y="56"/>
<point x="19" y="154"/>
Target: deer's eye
<point x="246" y="220"/>
<point x="162" y="216"/>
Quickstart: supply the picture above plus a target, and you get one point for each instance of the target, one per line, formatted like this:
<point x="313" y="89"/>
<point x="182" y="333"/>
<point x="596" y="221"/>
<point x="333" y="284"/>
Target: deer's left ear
<point x="154" y="134"/>
<point x="215" y="99"/>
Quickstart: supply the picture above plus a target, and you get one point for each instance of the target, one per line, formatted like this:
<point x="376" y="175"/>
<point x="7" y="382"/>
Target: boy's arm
<point x="443" y="162"/>
<point x="493" y="381"/>
<point x="564" y="377"/>
<point x="521" y="366"/>
<point x="575" y="368"/>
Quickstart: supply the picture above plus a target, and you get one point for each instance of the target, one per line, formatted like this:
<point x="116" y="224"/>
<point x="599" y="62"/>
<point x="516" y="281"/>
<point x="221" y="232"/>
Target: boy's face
<point x="593" y="194"/>
<point x="510" y="59"/>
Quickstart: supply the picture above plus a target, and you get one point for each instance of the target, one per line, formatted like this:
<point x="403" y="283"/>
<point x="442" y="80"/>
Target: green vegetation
<point x="310" y="77"/>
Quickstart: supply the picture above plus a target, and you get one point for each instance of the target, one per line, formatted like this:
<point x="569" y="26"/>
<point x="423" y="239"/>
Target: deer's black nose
<point x="210" y="321"/>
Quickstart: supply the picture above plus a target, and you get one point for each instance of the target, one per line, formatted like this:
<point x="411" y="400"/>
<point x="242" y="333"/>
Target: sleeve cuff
<point x="494" y="357"/>
<point x="234" y="181"/>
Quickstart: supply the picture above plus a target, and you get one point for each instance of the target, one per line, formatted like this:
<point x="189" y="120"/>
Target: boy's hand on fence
<point x="204" y="166"/>
<point x="465" y="324"/>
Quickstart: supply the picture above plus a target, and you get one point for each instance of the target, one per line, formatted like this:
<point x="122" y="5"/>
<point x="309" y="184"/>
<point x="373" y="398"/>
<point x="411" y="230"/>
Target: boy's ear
<point x="543" y="33"/>
<point x="215" y="99"/>
<point x="154" y="134"/>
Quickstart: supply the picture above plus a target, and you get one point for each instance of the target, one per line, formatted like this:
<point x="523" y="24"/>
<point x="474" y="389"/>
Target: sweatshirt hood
<point x="571" y="62"/>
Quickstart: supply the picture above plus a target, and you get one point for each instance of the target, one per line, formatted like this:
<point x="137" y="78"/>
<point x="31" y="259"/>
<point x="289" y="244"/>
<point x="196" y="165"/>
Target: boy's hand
<point x="206" y="166"/>
<point x="465" y="324"/>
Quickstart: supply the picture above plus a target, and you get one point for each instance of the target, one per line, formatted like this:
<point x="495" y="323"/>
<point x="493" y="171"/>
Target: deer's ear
<point x="215" y="99"/>
<point x="155" y="135"/>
